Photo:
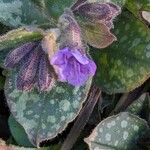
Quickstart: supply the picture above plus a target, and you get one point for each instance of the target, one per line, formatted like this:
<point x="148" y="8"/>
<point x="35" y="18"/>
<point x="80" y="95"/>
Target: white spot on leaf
<point x="108" y="137"/>
<point x="125" y="135"/>
<point x="64" y="105"/>
<point x="124" y="124"/>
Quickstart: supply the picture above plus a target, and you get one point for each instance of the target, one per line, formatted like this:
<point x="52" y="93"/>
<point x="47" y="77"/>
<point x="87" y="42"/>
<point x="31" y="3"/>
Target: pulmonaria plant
<point x="40" y="67"/>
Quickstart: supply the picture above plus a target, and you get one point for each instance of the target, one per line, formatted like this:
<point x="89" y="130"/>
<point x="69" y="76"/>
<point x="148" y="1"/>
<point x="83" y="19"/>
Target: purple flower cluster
<point x="73" y="67"/>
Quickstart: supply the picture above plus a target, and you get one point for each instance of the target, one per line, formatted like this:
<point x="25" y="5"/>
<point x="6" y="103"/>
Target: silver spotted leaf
<point x="16" y="38"/>
<point x="118" y="132"/>
<point x="17" y="13"/>
<point x="45" y="114"/>
<point x="124" y="65"/>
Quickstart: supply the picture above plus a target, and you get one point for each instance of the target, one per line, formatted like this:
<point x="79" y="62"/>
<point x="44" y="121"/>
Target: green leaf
<point x="21" y="12"/>
<point x="137" y="106"/>
<point x="18" y="133"/>
<point x="45" y="114"/>
<point x="15" y="38"/>
<point x="124" y="65"/>
<point x="118" y="132"/>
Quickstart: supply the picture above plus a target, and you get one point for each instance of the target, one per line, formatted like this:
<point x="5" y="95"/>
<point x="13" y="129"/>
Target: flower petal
<point x="60" y="57"/>
<point x="81" y="58"/>
<point x="73" y="74"/>
<point x="77" y="67"/>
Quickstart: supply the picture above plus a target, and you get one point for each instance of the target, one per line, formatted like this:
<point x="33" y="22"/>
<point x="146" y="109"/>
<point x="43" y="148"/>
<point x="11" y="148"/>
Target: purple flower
<point x="73" y="67"/>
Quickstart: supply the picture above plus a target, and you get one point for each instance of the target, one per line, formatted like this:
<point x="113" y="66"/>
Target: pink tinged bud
<point x="27" y="73"/>
<point x="17" y="54"/>
<point x="45" y="76"/>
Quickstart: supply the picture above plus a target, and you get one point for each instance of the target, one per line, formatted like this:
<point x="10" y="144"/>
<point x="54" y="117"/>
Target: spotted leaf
<point x="124" y="65"/>
<point x="118" y="132"/>
<point x="44" y="114"/>
<point x="20" y="13"/>
<point x="16" y="38"/>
